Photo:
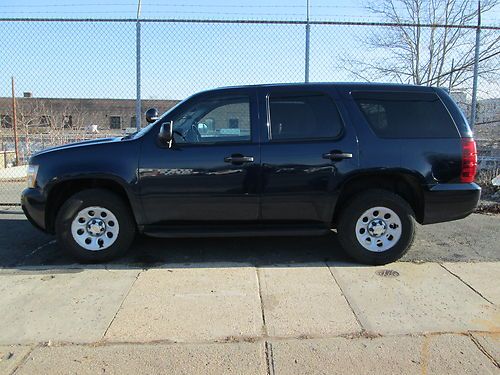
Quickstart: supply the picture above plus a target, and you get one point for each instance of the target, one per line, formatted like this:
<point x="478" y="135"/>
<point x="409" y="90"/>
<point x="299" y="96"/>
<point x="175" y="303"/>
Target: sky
<point x="97" y="60"/>
<point x="255" y="9"/>
<point x="352" y="10"/>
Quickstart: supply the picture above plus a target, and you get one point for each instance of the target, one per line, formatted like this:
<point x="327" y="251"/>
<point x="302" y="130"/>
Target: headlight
<point x="32" y="172"/>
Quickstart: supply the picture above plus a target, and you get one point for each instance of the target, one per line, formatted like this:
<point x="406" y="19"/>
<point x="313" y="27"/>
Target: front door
<point x="307" y="151"/>
<point x="211" y="172"/>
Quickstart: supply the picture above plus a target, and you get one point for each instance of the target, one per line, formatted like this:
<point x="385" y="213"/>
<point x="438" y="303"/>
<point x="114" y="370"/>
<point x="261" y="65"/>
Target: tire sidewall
<point x="89" y="198"/>
<point x="364" y="202"/>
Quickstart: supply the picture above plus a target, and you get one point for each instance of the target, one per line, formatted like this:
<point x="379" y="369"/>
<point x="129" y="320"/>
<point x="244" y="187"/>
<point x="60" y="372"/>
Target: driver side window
<point x="215" y="120"/>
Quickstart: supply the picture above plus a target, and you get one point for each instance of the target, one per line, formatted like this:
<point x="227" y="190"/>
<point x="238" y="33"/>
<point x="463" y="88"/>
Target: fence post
<point x="138" y="68"/>
<point x="472" y="119"/>
<point x="14" y="122"/>
<point x="308" y="37"/>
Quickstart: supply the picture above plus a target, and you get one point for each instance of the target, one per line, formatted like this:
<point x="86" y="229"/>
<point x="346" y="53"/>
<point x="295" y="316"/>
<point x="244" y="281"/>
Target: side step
<point x="198" y="231"/>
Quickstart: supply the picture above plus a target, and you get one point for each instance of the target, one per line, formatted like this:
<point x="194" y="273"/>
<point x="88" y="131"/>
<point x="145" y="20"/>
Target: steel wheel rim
<point x="95" y="228"/>
<point x="378" y="229"/>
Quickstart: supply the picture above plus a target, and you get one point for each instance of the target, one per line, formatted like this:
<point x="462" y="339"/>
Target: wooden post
<point x="14" y="122"/>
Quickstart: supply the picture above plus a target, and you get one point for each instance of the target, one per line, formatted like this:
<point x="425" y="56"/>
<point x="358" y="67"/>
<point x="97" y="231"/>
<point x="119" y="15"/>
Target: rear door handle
<point x="238" y="159"/>
<point x="337" y="155"/>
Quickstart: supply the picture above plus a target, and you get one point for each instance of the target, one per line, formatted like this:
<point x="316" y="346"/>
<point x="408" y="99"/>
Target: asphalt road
<point x="476" y="238"/>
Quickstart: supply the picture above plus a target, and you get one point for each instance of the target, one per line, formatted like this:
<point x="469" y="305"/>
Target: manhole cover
<point x="388" y="273"/>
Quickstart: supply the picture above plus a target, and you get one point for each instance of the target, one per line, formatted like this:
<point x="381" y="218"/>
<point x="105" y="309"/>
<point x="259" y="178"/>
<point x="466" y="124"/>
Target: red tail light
<point x="469" y="160"/>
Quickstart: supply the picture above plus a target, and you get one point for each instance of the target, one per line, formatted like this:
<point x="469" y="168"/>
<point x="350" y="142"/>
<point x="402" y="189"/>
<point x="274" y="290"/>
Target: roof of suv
<point x="344" y="85"/>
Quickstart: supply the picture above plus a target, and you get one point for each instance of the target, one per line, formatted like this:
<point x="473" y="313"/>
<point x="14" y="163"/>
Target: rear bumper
<point x="33" y="204"/>
<point x="446" y="202"/>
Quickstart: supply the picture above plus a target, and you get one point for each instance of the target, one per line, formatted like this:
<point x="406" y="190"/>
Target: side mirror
<point x="166" y="133"/>
<point x="151" y="115"/>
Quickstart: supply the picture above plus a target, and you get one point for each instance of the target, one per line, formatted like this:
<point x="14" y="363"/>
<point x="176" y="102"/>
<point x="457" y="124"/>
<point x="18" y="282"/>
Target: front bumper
<point x="33" y="204"/>
<point x="446" y="202"/>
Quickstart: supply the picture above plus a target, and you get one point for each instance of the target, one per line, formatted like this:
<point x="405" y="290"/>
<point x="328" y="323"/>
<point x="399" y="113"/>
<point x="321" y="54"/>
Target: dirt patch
<point x="490" y="194"/>
<point x="488" y="207"/>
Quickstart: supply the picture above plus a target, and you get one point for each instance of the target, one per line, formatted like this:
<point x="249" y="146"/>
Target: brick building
<point x="77" y="114"/>
<point x="116" y="114"/>
<point x="488" y="110"/>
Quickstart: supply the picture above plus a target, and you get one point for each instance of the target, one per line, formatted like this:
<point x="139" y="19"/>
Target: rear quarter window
<point x="406" y="114"/>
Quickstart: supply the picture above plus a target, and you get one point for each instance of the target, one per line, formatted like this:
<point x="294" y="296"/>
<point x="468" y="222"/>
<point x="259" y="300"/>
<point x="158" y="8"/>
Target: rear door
<point x="307" y="150"/>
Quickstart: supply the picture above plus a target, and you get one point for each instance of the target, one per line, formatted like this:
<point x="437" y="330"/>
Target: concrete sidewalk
<point x="235" y="318"/>
<point x="13" y="173"/>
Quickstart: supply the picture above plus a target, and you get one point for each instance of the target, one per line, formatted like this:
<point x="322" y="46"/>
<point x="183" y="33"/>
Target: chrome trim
<point x="268" y="115"/>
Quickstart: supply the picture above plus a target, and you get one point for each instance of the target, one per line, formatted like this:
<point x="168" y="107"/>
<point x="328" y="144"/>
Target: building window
<point x="68" y="121"/>
<point x="45" y="121"/>
<point x="5" y="121"/>
<point x="132" y="121"/>
<point x="115" y="122"/>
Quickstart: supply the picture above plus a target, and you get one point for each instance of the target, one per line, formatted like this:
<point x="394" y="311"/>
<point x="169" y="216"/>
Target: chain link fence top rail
<point x="75" y="79"/>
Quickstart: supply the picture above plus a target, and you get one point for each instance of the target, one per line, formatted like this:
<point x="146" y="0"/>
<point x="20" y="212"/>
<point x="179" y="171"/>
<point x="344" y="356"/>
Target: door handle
<point x="337" y="155"/>
<point x="238" y="159"/>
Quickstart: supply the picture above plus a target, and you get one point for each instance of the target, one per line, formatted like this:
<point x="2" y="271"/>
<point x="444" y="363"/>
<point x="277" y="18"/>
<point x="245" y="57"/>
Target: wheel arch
<point x="404" y="183"/>
<point x="64" y="189"/>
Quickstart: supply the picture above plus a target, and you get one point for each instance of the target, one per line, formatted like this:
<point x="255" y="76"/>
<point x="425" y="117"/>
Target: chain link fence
<point x="77" y="79"/>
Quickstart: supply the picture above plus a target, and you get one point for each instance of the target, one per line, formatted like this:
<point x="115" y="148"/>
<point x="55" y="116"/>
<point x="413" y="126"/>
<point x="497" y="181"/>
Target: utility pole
<point x="308" y="37"/>
<point x="138" y="113"/>
<point x="14" y="122"/>
<point x="472" y="120"/>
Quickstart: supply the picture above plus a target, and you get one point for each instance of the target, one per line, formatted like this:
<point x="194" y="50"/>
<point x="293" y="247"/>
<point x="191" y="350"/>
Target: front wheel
<point x="95" y="225"/>
<point x="376" y="227"/>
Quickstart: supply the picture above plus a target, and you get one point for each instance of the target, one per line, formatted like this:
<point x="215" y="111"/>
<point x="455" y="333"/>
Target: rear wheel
<point x="376" y="227"/>
<point x="95" y="225"/>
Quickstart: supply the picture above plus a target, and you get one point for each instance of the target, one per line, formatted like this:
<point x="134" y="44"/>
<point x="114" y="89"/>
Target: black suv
<point x="369" y="160"/>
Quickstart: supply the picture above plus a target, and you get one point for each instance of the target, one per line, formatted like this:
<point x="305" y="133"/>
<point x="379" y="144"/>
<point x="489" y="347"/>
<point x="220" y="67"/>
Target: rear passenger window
<point x="406" y="115"/>
<point x="303" y="116"/>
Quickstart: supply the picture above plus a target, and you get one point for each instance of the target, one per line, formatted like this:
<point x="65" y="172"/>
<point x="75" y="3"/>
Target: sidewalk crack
<point x="121" y="304"/>
<point x="268" y="347"/>
<point x="269" y="358"/>
<point x="264" y="326"/>
<point x="483" y="350"/>
<point x="363" y="330"/>
<point x="470" y="286"/>
<point x="23" y="361"/>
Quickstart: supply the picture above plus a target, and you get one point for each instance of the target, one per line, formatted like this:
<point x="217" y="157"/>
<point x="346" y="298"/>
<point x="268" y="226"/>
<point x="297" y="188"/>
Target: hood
<point x="79" y="144"/>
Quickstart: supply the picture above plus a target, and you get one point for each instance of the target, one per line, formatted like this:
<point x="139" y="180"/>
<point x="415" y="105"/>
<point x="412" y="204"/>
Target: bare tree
<point x="432" y="55"/>
<point x="44" y="124"/>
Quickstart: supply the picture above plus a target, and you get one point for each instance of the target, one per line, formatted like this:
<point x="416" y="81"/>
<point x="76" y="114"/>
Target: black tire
<point x="354" y="210"/>
<point x="89" y="198"/>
